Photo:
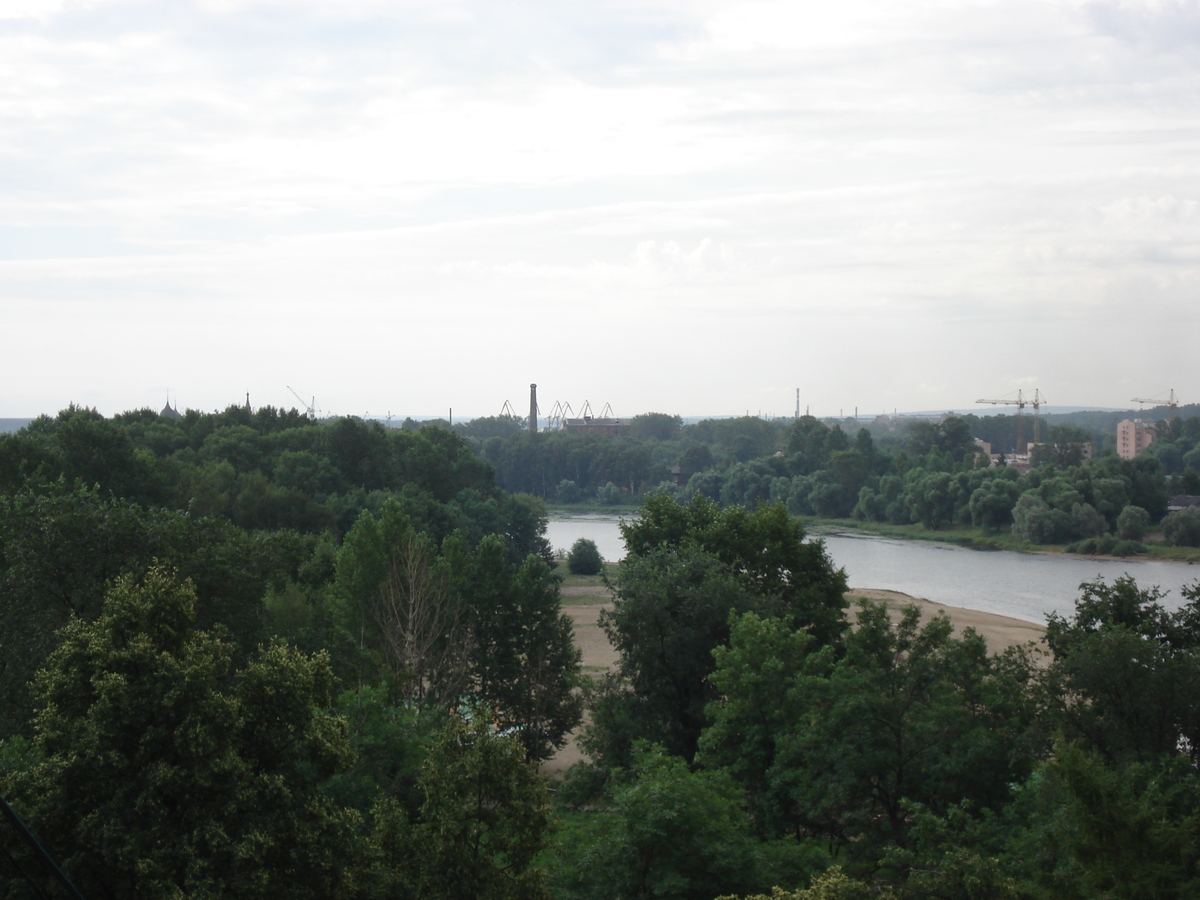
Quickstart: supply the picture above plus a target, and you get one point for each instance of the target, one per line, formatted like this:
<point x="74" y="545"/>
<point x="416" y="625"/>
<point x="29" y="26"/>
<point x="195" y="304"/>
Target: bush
<point x="585" y="558"/>
<point x="608" y="495"/>
<point x="1182" y="527"/>
<point x="568" y="492"/>
<point x="1036" y="522"/>
<point x="1132" y="523"/>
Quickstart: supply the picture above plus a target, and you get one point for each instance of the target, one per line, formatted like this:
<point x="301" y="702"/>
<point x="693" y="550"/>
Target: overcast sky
<point x="688" y="207"/>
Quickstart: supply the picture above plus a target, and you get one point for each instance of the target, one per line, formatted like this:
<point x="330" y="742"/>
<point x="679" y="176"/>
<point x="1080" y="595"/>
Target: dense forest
<point x="249" y="654"/>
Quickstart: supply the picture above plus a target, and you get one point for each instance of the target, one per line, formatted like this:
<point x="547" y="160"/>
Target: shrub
<point x="1132" y="523"/>
<point x="568" y="492"/>
<point x="1182" y="527"/>
<point x="1036" y="522"/>
<point x="585" y="558"/>
<point x="608" y="495"/>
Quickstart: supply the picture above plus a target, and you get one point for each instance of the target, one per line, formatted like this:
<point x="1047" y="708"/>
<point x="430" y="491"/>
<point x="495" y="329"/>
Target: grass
<point x="979" y="539"/>
<point x="567" y="510"/>
<point x="585" y="589"/>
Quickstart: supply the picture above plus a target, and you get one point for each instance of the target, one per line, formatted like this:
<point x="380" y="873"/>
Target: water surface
<point x="1022" y="585"/>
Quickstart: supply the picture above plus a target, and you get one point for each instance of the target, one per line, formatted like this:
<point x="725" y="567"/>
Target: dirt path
<point x="584" y="601"/>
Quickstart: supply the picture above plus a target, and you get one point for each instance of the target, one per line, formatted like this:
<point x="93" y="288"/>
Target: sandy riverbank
<point x="583" y="604"/>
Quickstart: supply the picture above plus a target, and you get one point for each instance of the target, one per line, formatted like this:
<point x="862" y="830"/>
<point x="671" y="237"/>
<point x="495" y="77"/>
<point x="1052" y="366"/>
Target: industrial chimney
<point x="533" y="409"/>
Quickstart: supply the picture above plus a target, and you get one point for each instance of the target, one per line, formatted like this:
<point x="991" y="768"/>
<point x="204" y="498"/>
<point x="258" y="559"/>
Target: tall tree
<point x="158" y="770"/>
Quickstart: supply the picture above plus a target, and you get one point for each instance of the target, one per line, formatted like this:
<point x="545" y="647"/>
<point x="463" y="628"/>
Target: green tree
<point x="672" y="834"/>
<point x="764" y="551"/>
<point x="484" y="820"/>
<point x="1111" y="831"/>
<point x="841" y="747"/>
<point x="1182" y="527"/>
<point x="585" y="558"/>
<point x="524" y="662"/>
<point x="1126" y="672"/>
<point x="991" y="504"/>
<point x="159" y="771"/>
<point x="657" y="426"/>
<point x="671" y="610"/>
<point x="1132" y="523"/>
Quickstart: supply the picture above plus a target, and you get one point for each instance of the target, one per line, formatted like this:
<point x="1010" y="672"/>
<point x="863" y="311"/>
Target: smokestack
<point x="533" y="409"/>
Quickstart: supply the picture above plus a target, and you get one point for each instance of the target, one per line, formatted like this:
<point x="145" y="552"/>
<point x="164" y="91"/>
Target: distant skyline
<point x="690" y="206"/>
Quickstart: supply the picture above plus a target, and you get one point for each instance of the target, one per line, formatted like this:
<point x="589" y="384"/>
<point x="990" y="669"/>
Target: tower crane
<point x="1019" y="403"/>
<point x="309" y="408"/>
<point x="1172" y="403"/>
<point x="1037" y="402"/>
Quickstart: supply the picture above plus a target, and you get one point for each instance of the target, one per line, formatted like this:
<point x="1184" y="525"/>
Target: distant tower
<point x="797" y="403"/>
<point x="247" y="401"/>
<point x="533" y="409"/>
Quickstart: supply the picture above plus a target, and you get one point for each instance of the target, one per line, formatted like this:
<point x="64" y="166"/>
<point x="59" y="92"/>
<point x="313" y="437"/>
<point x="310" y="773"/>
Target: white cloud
<point x="738" y="197"/>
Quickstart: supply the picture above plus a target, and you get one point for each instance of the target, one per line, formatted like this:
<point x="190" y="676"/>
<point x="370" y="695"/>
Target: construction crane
<point x="1019" y="403"/>
<point x="1037" y="403"/>
<point x="1172" y="404"/>
<point x="309" y="408"/>
<point x="507" y="410"/>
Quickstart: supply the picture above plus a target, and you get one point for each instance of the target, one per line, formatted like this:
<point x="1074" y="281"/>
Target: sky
<point x="684" y="206"/>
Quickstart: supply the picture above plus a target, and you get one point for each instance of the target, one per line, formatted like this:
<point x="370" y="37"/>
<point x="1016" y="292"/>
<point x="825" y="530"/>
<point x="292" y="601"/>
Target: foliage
<point x="161" y="771"/>
<point x="61" y="547"/>
<point x="687" y="570"/>
<point x="838" y="747"/>
<point x="764" y="551"/>
<point x="1182" y="527"/>
<point x="1130" y="832"/>
<point x="1132" y="523"/>
<point x="584" y="558"/>
<point x="671" y="834"/>
<point x="1126" y="673"/>
<point x="482" y="824"/>
<point x="671" y="610"/>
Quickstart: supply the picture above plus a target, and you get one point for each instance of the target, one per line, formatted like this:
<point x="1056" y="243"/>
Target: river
<point x="1022" y="585"/>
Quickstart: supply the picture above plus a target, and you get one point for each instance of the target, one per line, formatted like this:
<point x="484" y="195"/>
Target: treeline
<point x="933" y="474"/>
<point x="270" y="469"/>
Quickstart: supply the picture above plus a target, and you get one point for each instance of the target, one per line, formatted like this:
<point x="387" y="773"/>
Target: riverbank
<point x="979" y="539"/>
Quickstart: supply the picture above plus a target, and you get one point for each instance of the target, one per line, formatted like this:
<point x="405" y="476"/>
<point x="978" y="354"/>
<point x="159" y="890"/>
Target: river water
<point x="1022" y="585"/>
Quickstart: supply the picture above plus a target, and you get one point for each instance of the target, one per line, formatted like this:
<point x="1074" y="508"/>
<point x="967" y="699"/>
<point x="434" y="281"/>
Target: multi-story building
<point x="1133" y="436"/>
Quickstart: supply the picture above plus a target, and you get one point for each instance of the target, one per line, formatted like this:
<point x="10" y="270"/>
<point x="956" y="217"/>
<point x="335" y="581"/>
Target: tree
<point x="1182" y="527"/>
<point x="424" y="631"/>
<point x="1036" y="522"/>
<point x="840" y="747"/>
<point x="524" y="662"/>
<point x="671" y="610"/>
<point x="991" y="504"/>
<point x="484" y="820"/>
<point x="1111" y="831"/>
<point x="1132" y="523"/>
<point x="585" y="558"/>
<point x="161" y="771"/>
<point x="687" y="570"/>
<point x="1126" y="673"/>
<point x="658" y="426"/>
<point x="60" y="548"/>
<point x="764" y="551"/>
<point x="673" y="834"/>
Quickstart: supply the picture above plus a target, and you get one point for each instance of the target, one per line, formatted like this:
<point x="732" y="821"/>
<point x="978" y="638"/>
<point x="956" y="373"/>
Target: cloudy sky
<point x="690" y="206"/>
